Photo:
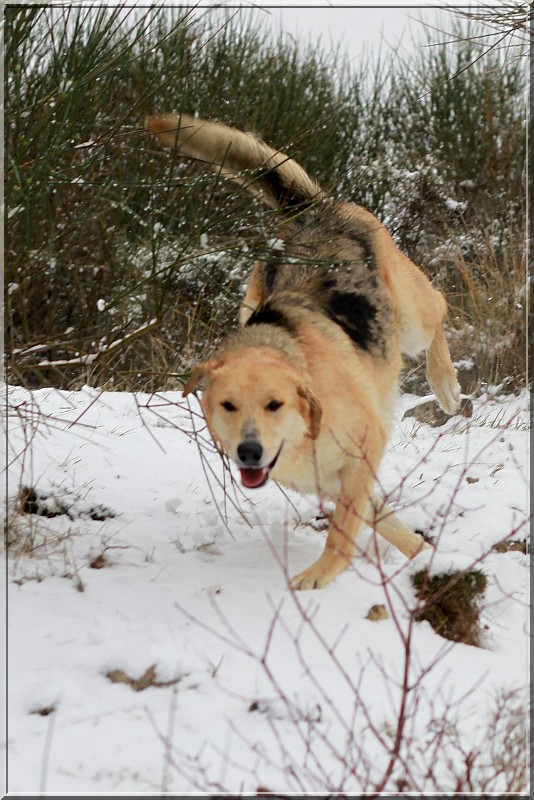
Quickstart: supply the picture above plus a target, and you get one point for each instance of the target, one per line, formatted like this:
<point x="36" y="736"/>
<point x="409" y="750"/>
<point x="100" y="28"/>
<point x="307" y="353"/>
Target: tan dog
<point x="303" y="392"/>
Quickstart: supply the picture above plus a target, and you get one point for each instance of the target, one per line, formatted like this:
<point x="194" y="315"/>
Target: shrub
<point x="450" y="603"/>
<point x="125" y="263"/>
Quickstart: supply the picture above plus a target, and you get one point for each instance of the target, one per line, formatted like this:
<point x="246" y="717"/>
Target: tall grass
<point x="124" y="263"/>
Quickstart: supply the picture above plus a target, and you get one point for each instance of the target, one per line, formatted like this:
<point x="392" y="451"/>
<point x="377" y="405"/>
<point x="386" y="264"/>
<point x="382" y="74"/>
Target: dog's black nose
<point x="250" y="452"/>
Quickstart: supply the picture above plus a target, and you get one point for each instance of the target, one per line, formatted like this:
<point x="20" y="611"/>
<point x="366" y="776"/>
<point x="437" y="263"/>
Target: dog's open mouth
<point x="255" y="477"/>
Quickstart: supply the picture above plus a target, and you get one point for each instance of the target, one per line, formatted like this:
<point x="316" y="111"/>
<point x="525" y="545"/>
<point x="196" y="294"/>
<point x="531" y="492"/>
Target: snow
<point x="254" y="685"/>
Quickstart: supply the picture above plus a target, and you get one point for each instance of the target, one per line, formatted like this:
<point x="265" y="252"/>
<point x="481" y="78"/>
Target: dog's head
<point x="258" y="407"/>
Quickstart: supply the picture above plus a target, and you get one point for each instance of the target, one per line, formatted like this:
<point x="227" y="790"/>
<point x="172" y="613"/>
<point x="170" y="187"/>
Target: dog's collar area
<point x="256" y="477"/>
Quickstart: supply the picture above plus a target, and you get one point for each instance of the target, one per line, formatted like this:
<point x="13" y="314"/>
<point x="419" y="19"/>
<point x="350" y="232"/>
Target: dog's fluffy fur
<point x="303" y="391"/>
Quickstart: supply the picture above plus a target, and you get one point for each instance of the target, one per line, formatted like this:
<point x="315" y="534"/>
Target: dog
<point x="303" y="391"/>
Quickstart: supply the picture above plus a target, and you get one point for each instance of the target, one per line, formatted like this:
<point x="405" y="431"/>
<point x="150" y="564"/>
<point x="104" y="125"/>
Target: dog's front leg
<point x="350" y="514"/>
<point x="338" y="551"/>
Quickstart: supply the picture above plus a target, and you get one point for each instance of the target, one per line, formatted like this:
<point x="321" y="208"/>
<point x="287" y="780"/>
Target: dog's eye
<point x="274" y="405"/>
<point x="228" y="406"/>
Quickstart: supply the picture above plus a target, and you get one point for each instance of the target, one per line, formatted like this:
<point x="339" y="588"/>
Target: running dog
<point x="303" y="391"/>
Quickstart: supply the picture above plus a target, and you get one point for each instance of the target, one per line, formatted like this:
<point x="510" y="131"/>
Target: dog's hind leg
<point x="440" y="373"/>
<point x="254" y="295"/>
<point x="422" y="312"/>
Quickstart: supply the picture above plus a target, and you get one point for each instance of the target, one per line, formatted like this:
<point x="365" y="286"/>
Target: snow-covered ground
<point x="153" y="644"/>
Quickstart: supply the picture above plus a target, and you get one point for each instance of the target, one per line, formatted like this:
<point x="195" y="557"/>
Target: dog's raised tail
<point x="241" y="157"/>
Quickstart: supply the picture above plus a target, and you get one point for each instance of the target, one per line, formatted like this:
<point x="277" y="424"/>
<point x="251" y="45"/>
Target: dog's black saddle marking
<point x="356" y="315"/>
<point x="268" y="314"/>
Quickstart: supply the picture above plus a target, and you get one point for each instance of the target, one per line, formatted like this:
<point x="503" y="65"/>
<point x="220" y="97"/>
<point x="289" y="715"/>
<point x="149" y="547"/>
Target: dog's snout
<point x="250" y="452"/>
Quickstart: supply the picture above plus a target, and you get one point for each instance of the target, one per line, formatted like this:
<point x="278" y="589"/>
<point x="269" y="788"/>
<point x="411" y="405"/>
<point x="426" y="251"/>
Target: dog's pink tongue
<point x="252" y="478"/>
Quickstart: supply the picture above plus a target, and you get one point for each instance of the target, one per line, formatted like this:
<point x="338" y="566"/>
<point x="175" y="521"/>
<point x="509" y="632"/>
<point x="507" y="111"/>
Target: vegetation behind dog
<point x="124" y="265"/>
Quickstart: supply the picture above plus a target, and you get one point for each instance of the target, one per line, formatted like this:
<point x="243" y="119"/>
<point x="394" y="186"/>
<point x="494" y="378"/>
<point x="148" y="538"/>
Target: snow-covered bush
<point x="102" y="223"/>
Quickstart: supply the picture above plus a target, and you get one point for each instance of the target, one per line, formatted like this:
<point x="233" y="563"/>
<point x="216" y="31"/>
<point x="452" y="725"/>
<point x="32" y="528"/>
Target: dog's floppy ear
<point x="201" y="376"/>
<point x="312" y="411"/>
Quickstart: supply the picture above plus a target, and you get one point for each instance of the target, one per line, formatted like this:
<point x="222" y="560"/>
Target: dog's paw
<point x="309" y="579"/>
<point x="319" y="574"/>
<point x="448" y="393"/>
